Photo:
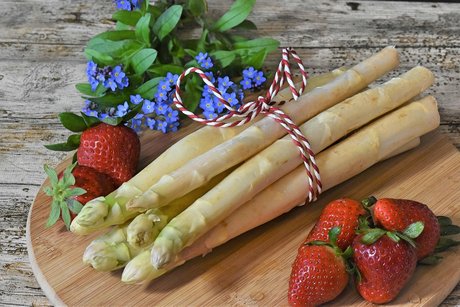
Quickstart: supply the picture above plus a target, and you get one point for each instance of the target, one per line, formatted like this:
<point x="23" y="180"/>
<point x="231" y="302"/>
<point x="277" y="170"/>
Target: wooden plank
<point x="254" y="268"/>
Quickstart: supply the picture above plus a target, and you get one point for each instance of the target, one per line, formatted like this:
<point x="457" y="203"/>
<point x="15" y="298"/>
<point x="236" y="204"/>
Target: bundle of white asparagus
<point x="217" y="183"/>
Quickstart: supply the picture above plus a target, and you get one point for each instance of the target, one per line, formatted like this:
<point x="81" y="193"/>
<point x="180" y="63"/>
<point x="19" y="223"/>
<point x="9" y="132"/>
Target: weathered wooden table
<point x="41" y="43"/>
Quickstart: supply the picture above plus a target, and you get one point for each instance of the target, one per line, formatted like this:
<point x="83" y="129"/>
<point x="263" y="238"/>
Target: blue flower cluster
<point x="212" y="107"/>
<point x="128" y="5"/>
<point x="156" y="115"/>
<point x="110" y="78"/>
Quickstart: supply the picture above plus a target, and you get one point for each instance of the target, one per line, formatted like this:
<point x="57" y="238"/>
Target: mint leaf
<point x="74" y="206"/>
<point x="65" y="214"/>
<point x="143" y="29"/>
<point x="167" y="21"/>
<point x="237" y="13"/>
<point x="72" y="121"/>
<point x="54" y="214"/>
<point x="143" y="59"/>
<point x="127" y="17"/>
<point x="51" y="174"/>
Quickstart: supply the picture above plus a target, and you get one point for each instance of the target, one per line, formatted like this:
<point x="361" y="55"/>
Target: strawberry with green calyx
<point x="108" y="146"/>
<point x="385" y="261"/>
<point x="72" y="189"/>
<point x="343" y="213"/>
<point x="319" y="272"/>
<point x="398" y="214"/>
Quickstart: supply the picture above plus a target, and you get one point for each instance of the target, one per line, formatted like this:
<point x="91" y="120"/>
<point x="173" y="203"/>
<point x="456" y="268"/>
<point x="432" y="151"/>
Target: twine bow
<point x="263" y="105"/>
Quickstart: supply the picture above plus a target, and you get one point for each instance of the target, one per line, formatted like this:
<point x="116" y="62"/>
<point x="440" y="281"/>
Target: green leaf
<point x="444" y="244"/>
<point x="107" y="51"/>
<point x="372" y="236"/>
<point x="72" y="121"/>
<point x="405" y="238"/>
<point x="444" y="220"/>
<point x="318" y="243"/>
<point x="393" y="236"/>
<point x="414" y="230"/>
<point x="143" y="29"/>
<point x="334" y="233"/>
<point x="255" y="59"/>
<point x="48" y="191"/>
<point x="119" y="26"/>
<point x="111" y="99"/>
<point x="448" y="230"/>
<point x="269" y="44"/>
<point x="98" y="57"/>
<point x="54" y="214"/>
<point x="85" y="89"/>
<point x="224" y="57"/>
<point x="113" y="121"/>
<point x="74" y="206"/>
<point x="430" y="260"/>
<point x="65" y="214"/>
<point x="90" y="120"/>
<point x="348" y="253"/>
<point x="246" y="25"/>
<point x="163" y="69"/>
<point x="68" y="179"/>
<point x="237" y="13"/>
<point x="143" y="59"/>
<point x="127" y="17"/>
<point x="75" y="192"/>
<point x="113" y="36"/>
<point x="149" y="88"/>
<point x="167" y="21"/>
<point x="369" y="201"/>
<point x="51" y="174"/>
<point x="61" y="147"/>
<point x="192" y="93"/>
<point x="197" y="7"/>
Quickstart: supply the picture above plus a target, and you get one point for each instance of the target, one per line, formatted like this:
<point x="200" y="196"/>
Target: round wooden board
<point x="254" y="268"/>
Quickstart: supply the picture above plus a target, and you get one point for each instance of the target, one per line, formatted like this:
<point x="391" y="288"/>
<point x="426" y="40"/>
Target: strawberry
<point x="343" y="213"/>
<point x="319" y="272"/>
<point x="398" y="214"/>
<point x="112" y="150"/>
<point x="72" y="189"/>
<point x="385" y="267"/>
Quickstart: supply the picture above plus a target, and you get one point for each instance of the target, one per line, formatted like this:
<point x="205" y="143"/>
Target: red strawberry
<point x="343" y="213"/>
<point x="397" y="214"/>
<point x="385" y="267"/>
<point x="73" y="188"/>
<point x="318" y="274"/>
<point x="93" y="182"/>
<point x="112" y="150"/>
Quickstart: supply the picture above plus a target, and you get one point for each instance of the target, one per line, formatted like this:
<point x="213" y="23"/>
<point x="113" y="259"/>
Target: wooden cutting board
<point x="254" y="268"/>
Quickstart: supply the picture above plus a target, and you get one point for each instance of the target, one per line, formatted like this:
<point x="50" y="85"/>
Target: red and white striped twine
<point x="263" y="105"/>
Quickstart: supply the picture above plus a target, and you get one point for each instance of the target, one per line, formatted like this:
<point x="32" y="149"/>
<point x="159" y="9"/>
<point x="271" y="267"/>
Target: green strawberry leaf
<point x="90" y="121"/>
<point x="54" y="214"/>
<point x="237" y="13"/>
<point x="143" y="59"/>
<point x="74" y="206"/>
<point x="334" y="234"/>
<point x="444" y="244"/>
<point x="61" y="147"/>
<point x="65" y="214"/>
<point x="372" y="236"/>
<point x="167" y="21"/>
<point x="414" y="230"/>
<point x="448" y="230"/>
<point x="406" y="238"/>
<point x="51" y="174"/>
<point x="72" y="121"/>
<point x="369" y="201"/>
<point x="430" y="260"/>
<point x="393" y="236"/>
<point x="444" y="220"/>
<point x="318" y="243"/>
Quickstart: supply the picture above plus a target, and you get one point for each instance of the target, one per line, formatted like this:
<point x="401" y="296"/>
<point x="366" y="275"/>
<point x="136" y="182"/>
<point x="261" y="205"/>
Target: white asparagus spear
<point x="349" y="157"/>
<point x="140" y="269"/>
<point x="111" y="210"/>
<point x="282" y="157"/>
<point x="260" y="135"/>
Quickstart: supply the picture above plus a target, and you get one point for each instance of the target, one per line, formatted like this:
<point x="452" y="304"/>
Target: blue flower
<point x="171" y="115"/>
<point x="224" y="82"/>
<point x="161" y="108"/>
<point x="93" y="82"/>
<point x="172" y="127"/>
<point x="103" y="116"/>
<point x="150" y="122"/>
<point x="124" y="83"/>
<point x="91" y="69"/>
<point x="148" y="107"/>
<point x="201" y="57"/>
<point x="259" y="78"/>
<point x="110" y="83"/>
<point x="164" y="86"/>
<point x="207" y="64"/>
<point x="122" y="109"/>
<point x="218" y="105"/>
<point x="172" y="79"/>
<point x="209" y="114"/>
<point x="206" y="103"/>
<point x="128" y="5"/>
<point x="210" y="76"/>
<point x="231" y="99"/>
<point x="249" y="73"/>
<point x="246" y="83"/>
<point x="162" y="126"/>
<point x="136" y="99"/>
<point x="118" y="74"/>
<point x="161" y="96"/>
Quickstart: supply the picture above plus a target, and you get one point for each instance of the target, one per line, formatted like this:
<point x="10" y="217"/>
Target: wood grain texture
<point x="254" y="268"/>
<point x="41" y="43"/>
